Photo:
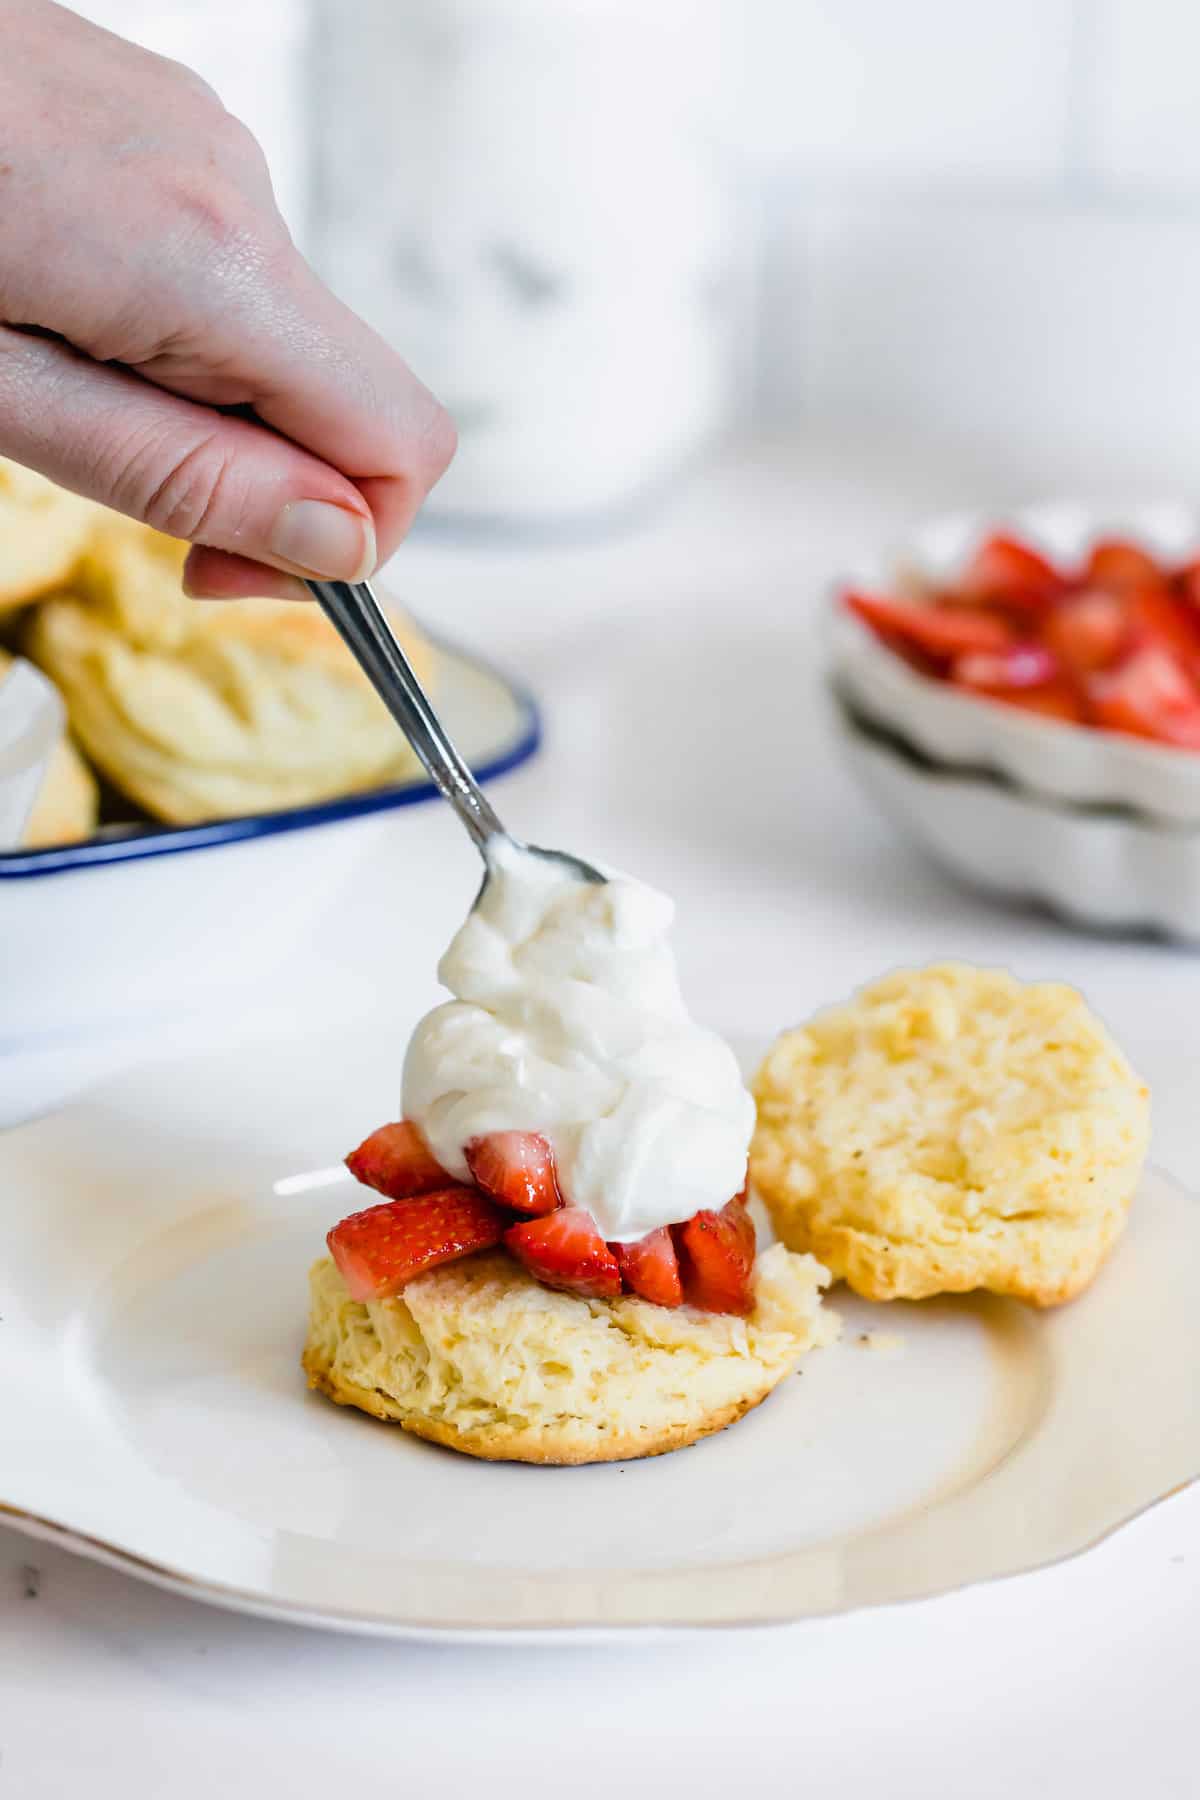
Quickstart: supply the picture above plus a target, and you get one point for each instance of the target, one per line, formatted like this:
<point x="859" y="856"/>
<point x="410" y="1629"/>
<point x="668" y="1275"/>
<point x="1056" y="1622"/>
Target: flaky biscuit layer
<point x="479" y="1356"/>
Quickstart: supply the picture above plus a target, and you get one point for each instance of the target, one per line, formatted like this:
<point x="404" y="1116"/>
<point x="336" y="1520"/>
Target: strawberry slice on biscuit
<point x="517" y="1169"/>
<point x="378" y="1250"/>
<point x="563" y="1249"/>
<point x="650" y="1267"/>
<point x="716" y="1256"/>
<point x="396" y="1161"/>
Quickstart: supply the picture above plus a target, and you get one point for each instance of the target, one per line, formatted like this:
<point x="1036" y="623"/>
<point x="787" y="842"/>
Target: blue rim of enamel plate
<point x="173" y="840"/>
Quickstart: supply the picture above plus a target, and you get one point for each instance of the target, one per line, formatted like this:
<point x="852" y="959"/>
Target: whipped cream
<point x="568" y="1021"/>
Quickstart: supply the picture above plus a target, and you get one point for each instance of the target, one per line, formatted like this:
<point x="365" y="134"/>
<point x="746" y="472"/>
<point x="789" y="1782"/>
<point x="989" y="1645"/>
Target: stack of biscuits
<point x="186" y="710"/>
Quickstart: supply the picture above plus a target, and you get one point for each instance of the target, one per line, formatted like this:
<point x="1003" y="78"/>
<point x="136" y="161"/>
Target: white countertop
<point x="685" y="741"/>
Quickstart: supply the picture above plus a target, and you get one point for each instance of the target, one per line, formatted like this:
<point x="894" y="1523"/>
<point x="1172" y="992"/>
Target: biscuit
<point x="65" y="806"/>
<point x="951" y="1128"/>
<point x="199" y="709"/>
<point x="43" y="528"/>
<point x="480" y="1357"/>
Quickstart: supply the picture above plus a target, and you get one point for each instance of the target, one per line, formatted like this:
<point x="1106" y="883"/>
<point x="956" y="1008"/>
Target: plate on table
<point x="153" y="1296"/>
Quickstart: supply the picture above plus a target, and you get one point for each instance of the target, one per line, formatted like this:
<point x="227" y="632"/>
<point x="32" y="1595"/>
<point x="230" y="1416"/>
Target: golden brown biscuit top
<point x="948" y="1128"/>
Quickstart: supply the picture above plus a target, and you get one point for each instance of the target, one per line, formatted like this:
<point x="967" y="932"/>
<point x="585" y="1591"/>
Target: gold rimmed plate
<point x="152" y="1299"/>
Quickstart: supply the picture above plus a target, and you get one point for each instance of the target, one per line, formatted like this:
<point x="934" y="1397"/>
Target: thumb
<point x="187" y="469"/>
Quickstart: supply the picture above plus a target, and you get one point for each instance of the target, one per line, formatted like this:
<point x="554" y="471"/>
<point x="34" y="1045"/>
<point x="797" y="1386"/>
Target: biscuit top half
<point x="947" y="1091"/>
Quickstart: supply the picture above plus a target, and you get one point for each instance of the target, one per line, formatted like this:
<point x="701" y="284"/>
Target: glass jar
<point x="519" y="196"/>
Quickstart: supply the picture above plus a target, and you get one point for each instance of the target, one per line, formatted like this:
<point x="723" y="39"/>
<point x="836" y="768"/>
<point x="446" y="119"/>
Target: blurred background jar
<point x="523" y="195"/>
<point x="969" y="234"/>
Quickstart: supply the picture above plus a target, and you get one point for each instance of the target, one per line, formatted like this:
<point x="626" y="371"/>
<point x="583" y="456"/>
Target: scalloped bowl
<point x="1100" y="868"/>
<point x="1047" y="757"/>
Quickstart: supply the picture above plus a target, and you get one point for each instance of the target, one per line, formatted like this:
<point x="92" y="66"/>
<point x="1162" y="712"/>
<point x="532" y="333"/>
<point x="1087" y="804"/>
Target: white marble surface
<point x="685" y="740"/>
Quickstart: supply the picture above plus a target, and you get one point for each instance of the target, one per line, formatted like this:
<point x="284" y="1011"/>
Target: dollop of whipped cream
<point x="568" y="1021"/>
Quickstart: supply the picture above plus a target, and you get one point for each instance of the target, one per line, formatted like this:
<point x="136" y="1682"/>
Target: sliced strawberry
<point x="1005" y="572"/>
<point x="565" y="1250"/>
<point x="940" y="631"/>
<point x="997" y="671"/>
<point x="396" y="1161"/>
<point x="716" y="1257"/>
<point x="1157" y="616"/>
<point x="380" y="1249"/>
<point x="1149" y="696"/>
<point x="912" y="654"/>
<point x="1114" y="564"/>
<point x="1057" y="700"/>
<point x="1087" y="632"/>
<point x="650" y="1268"/>
<point x="516" y="1168"/>
<point x="1187" y="582"/>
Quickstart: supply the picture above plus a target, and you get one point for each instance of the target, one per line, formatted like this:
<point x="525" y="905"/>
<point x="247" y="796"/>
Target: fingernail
<point x="322" y="539"/>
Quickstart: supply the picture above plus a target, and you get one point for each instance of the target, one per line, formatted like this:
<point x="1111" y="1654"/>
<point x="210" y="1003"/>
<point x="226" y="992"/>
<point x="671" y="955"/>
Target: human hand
<point x="147" y="282"/>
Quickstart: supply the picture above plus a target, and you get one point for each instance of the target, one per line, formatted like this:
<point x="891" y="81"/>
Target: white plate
<point x="1047" y="756"/>
<point x="1107" y="870"/>
<point x="152" y="1295"/>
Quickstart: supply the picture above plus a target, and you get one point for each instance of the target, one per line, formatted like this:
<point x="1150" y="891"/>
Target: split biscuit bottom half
<point x="480" y="1357"/>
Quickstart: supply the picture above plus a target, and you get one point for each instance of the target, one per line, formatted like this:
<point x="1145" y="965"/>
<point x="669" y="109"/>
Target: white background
<point x="965" y="222"/>
<point x="686" y="741"/>
<point x="976" y="253"/>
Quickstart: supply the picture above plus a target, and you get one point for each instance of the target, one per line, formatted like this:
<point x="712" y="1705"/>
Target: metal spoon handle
<point x="360" y="620"/>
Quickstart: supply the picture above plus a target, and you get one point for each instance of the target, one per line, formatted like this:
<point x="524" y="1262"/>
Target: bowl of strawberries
<point x="1023" y="697"/>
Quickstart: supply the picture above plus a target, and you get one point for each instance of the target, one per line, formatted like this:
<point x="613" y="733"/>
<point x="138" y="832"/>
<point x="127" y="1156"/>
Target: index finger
<point x="318" y="374"/>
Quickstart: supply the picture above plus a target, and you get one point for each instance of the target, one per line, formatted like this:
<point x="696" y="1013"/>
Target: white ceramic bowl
<point x="1045" y="756"/>
<point x="1104" y="869"/>
<point x="100" y="937"/>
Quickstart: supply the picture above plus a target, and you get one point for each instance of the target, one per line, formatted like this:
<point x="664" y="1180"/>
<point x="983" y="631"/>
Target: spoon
<point x="354" y="611"/>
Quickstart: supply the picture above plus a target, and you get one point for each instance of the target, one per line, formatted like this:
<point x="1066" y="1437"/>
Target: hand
<point x="147" y="282"/>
